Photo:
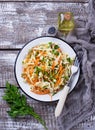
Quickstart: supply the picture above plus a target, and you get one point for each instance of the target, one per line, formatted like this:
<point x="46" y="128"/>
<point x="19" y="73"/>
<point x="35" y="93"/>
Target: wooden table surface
<point x="19" y="23"/>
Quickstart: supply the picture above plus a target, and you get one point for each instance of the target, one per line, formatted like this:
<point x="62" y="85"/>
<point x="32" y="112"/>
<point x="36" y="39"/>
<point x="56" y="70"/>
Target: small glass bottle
<point x="65" y="23"/>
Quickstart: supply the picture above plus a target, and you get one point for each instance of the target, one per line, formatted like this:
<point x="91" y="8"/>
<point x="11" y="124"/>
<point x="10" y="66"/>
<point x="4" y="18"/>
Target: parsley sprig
<point x="18" y="104"/>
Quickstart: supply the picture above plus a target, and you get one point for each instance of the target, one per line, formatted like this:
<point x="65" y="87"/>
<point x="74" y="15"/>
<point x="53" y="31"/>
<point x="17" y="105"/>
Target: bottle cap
<point x="52" y="31"/>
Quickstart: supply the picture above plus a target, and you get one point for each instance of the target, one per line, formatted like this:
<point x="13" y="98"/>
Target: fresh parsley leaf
<point x="18" y="104"/>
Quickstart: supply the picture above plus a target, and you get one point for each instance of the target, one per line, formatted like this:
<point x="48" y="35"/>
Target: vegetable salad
<point x="46" y="68"/>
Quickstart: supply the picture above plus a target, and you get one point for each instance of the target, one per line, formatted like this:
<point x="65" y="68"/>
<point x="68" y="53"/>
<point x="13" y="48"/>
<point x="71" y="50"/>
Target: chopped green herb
<point x="51" y="76"/>
<point x="53" y="59"/>
<point x="66" y="77"/>
<point x="23" y="75"/>
<point x="45" y="73"/>
<point x="43" y="59"/>
<point x="49" y="63"/>
<point x="53" y="50"/>
<point x="56" y="47"/>
<point x="37" y="53"/>
<point x="30" y="53"/>
<point x="63" y="64"/>
<point x="37" y="70"/>
<point x="50" y="43"/>
<point x="45" y="87"/>
<point x="22" y="62"/>
<point x="56" y="53"/>
<point x="56" y="66"/>
<point x="18" y="104"/>
<point x="69" y="60"/>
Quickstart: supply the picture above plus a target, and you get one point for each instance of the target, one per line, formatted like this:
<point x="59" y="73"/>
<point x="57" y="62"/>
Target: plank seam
<point x="47" y="1"/>
<point x="10" y="49"/>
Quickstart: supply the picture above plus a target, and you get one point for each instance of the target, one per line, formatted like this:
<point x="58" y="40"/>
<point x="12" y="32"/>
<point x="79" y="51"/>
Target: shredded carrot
<point x="36" y="61"/>
<point x="60" y="71"/>
<point x="38" y="90"/>
<point x="53" y="65"/>
<point x="57" y="82"/>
